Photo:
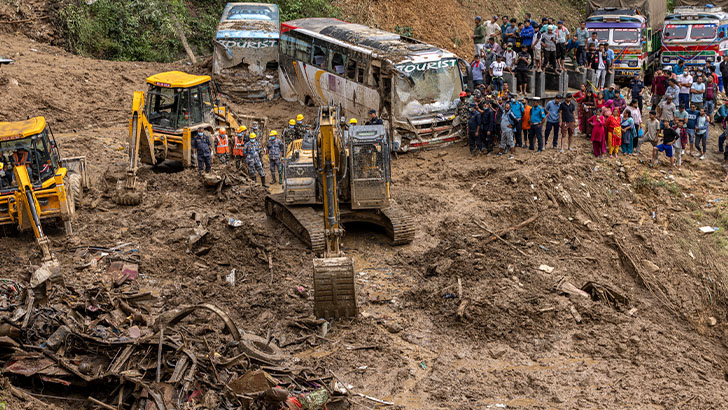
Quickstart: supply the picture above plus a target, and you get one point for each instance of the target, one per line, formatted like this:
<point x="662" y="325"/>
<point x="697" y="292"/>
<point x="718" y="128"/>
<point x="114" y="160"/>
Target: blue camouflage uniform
<point x="275" y="149"/>
<point x="251" y="151"/>
<point x="201" y="144"/>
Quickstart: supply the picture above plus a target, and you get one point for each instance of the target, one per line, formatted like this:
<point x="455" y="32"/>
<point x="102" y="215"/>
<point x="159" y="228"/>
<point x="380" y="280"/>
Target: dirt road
<point x="525" y="339"/>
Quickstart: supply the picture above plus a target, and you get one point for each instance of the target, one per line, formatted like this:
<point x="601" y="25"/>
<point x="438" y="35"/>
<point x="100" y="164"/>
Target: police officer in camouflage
<point x="463" y="113"/>
<point x="289" y="134"/>
<point x="300" y="127"/>
<point x="275" y="149"/>
<point x="201" y="145"/>
<point x="252" y="153"/>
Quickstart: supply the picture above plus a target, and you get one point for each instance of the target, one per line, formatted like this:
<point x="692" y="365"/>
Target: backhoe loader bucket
<point x="129" y="192"/>
<point x="334" y="288"/>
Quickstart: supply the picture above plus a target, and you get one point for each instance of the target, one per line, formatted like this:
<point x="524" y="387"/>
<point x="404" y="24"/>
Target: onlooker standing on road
<point x="723" y="114"/>
<point x="477" y="68"/>
<point x="512" y="33"/>
<point x="711" y="92"/>
<point x="567" y="121"/>
<point x="697" y="92"/>
<point x="552" y="120"/>
<point x="701" y="133"/>
<point x="496" y="73"/>
<point x="562" y="37"/>
<point x="582" y="35"/>
<point x="658" y="88"/>
<point x="673" y="90"/>
<point x="548" y="40"/>
<point x="478" y="36"/>
<point x="636" y="87"/>
<point x="538" y="115"/>
<point x="492" y="29"/>
<point x="666" y="110"/>
<point x="723" y="68"/>
<point x="652" y="129"/>
<point x="685" y="81"/>
<point x="537" y="51"/>
<point x="504" y="27"/>
<point x="600" y="65"/>
<point x="511" y="56"/>
<point x="522" y="70"/>
<point x="593" y="41"/>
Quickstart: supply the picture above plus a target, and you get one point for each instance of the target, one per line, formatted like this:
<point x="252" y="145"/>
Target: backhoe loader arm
<point x="141" y="146"/>
<point x="30" y="209"/>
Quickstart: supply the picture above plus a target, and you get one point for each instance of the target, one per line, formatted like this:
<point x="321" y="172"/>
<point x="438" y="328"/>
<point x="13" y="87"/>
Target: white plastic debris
<point x="546" y="268"/>
<point x="708" y="229"/>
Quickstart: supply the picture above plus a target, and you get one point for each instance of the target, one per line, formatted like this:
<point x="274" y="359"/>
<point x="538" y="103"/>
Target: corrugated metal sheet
<point x="655" y="10"/>
<point x="721" y="3"/>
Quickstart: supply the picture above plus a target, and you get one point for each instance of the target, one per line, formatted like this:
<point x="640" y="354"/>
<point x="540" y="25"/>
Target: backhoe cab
<point x="36" y="184"/>
<point x="162" y="121"/>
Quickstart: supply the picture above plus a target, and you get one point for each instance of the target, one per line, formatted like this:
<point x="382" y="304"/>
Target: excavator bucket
<point x="334" y="290"/>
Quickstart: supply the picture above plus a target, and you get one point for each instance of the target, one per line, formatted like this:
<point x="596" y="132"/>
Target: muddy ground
<point x="522" y="341"/>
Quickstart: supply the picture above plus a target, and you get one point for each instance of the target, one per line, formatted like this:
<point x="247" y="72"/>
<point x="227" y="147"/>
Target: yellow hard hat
<point x="242" y="128"/>
<point x="299" y="117"/>
<point x="2" y="166"/>
<point x="291" y="122"/>
<point x="222" y="131"/>
<point x="352" y="121"/>
<point x="273" y="133"/>
<point x="253" y="136"/>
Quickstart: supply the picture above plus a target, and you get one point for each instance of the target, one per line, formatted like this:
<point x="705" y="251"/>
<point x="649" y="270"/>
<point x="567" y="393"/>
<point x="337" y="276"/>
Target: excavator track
<point x="401" y="229"/>
<point x="303" y="221"/>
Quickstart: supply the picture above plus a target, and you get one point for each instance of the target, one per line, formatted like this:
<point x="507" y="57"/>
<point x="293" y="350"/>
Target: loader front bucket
<point x="334" y="288"/>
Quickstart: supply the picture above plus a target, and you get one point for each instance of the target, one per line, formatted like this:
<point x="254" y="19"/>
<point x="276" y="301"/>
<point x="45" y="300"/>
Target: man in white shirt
<point x="492" y="29"/>
<point x="510" y="56"/>
<point x="496" y="73"/>
<point x="685" y="81"/>
<point x="562" y="37"/>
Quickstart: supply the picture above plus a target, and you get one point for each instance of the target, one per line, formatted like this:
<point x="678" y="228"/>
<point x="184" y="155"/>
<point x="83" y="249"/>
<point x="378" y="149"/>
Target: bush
<point x="144" y="30"/>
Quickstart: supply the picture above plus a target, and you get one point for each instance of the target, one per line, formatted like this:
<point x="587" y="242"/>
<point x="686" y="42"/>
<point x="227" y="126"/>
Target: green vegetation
<point x="645" y="183"/>
<point x="406" y="31"/>
<point x="145" y="30"/>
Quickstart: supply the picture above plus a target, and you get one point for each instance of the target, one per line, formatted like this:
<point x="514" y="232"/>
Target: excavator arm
<point x="333" y="275"/>
<point x="141" y="146"/>
<point x="29" y="209"/>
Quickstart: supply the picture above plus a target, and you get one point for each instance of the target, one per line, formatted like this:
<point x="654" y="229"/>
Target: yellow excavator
<point x="36" y="184"/>
<point x="347" y="174"/>
<point x="162" y="121"/>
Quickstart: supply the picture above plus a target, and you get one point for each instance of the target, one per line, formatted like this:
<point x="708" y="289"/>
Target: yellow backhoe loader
<point x="347" y="173"/>
<point x="162" y="121"/>
<point x="36" y="184"/>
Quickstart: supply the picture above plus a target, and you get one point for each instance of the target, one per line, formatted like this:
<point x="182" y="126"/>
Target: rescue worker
<point x="3" y="176"/>
<point x="289" y="134"/>
<point x="222" y="145"/>
<point x="252" y="158"/>
<point x="201" y="146"/>
<point x="463" y="112"/>
<point x="300" y="127"/>
<point x="374" y="120"/>
<point x="275" y="149"/>
<point x="238" y="144"/>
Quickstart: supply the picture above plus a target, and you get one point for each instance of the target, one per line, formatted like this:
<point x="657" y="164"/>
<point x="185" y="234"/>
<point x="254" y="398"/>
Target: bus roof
<point x="697" y="13"/>
<point x="372" y="39"/>
<point x="177" y="79"/>
<point x="21" y="129"/>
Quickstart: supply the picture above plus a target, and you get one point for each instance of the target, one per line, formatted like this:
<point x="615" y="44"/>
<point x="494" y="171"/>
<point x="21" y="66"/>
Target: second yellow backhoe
<point x="162" y="121"/>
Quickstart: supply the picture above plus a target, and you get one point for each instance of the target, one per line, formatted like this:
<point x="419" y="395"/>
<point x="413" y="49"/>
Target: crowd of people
<point x="675" y="121"/>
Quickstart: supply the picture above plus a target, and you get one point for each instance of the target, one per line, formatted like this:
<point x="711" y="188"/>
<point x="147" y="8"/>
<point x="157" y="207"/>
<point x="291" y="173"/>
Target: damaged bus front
<point x="245" y="60"/>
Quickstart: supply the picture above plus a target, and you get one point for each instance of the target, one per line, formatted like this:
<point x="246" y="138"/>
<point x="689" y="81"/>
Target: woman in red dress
<point x="598" y="122"/>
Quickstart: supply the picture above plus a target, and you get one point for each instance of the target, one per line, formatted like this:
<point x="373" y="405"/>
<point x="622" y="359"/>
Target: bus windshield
<point x="625" y="35"/>
<point x="703" y="31"/>
<point x="423" y="88"/>
<point x="676" y="32"/>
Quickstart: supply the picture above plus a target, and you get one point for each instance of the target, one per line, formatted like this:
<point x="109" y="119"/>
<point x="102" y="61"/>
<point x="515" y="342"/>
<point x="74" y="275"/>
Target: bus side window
<point x="319" y="56"/>
<point x="360" y="75"/>
<point x="337" y="62"/>
<point x="375" y="76"/>
<point x="351" y="69"/>
<point x="303" y="50"/>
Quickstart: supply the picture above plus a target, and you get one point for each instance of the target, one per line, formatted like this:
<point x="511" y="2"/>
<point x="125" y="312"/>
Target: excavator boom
<point x="141" y="145"/>
<point x="333" y="275"/>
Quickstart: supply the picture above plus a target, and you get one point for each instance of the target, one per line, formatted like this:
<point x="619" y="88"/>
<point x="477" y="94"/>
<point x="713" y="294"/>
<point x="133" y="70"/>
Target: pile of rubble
<point x="111" y="342"/>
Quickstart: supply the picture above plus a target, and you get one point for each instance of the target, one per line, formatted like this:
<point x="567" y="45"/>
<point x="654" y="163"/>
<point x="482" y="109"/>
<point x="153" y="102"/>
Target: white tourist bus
<point x="413" y="86"/>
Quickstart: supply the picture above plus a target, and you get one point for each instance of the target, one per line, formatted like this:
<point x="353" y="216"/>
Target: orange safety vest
<point x="21" y="161"/>
<point x="222" y="144"/>
<point x="238" y="147"/>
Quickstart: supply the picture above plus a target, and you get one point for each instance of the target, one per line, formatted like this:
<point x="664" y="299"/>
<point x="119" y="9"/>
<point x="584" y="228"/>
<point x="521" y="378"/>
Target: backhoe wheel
<point x="74" y="180"/>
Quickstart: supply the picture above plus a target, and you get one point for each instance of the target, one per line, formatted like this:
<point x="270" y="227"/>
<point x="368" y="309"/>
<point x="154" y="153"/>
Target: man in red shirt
<point x="659" y="86"/>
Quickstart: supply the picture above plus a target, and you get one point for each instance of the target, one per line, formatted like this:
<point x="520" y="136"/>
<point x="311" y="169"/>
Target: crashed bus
<point x="245" y="60"/>
<point x="695" y="35"/>
<point x="413" y="86"/>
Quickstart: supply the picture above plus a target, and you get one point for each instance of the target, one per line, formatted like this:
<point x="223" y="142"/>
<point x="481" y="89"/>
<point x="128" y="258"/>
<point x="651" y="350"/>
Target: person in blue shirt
<point x="538" y="115"/>
<point x="636" y="86"/>
<point x="527" y="35"/>
<point x="517" y="109"/>
<point x="552" y="120"/>
<point x="691" y="125"/>
<point x="474" y="129"/>
<point x="678" y="68"/>
<point x="610" y="55"/>
<point x="722" y="118"/>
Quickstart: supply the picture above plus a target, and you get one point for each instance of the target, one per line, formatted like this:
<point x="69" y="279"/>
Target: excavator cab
<point x="369" y="163"/>
<point x="176" y="100"/>
<point x="36" y="184"/>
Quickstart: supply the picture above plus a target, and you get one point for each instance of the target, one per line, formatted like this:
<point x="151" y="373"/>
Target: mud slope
<point x="651" y="335"/>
